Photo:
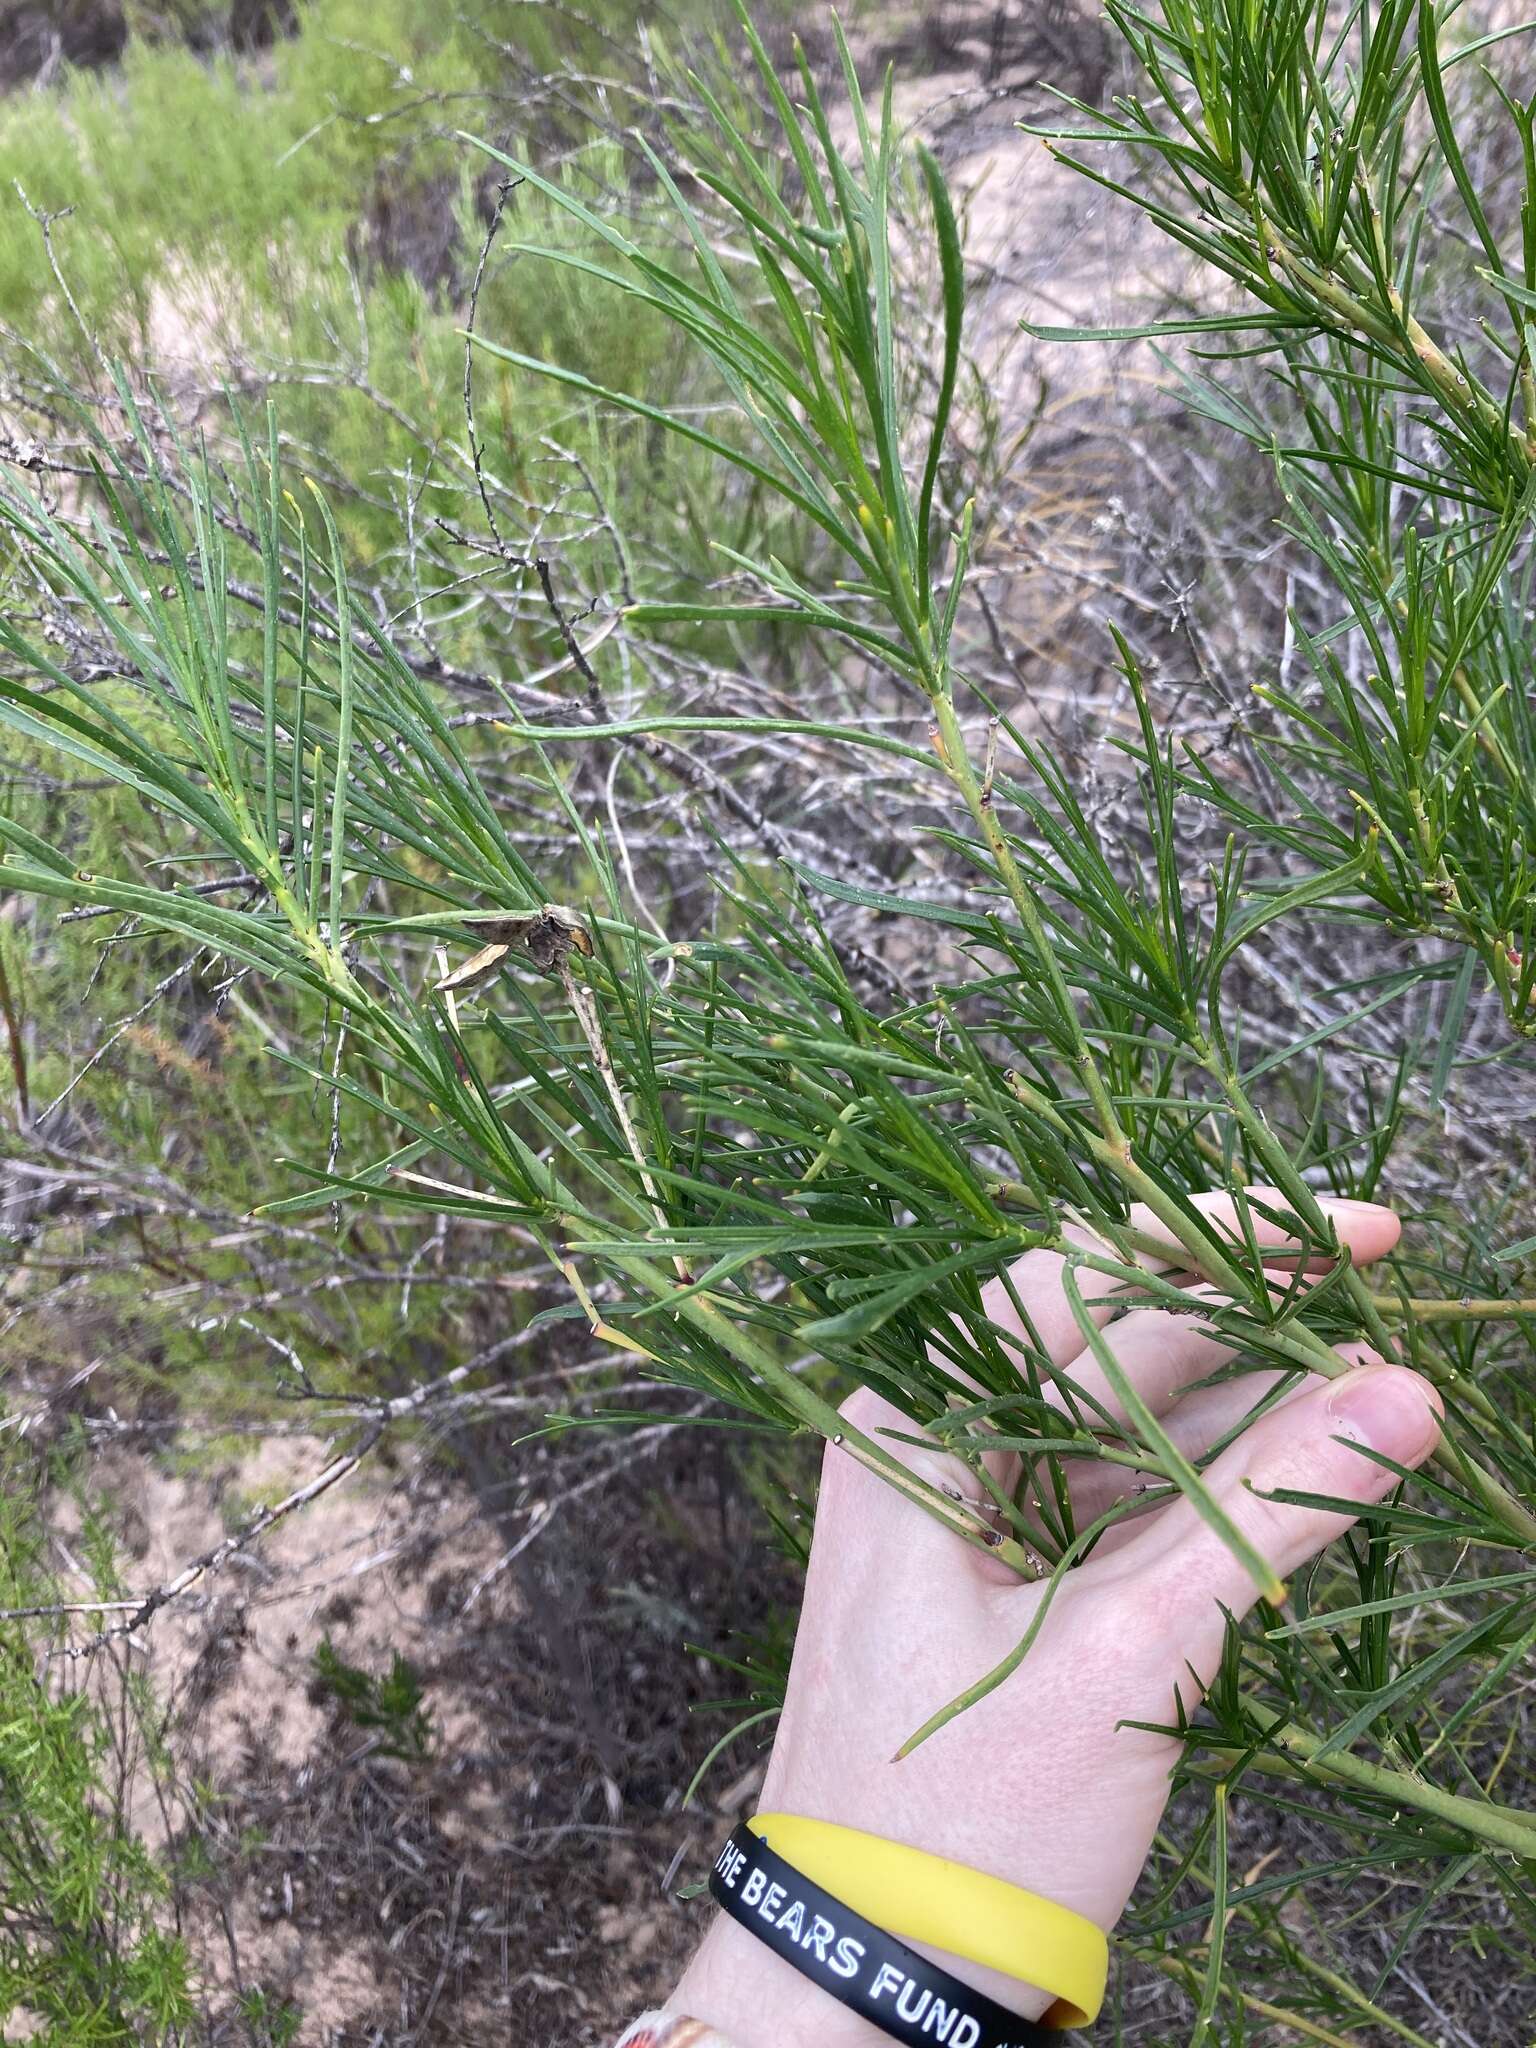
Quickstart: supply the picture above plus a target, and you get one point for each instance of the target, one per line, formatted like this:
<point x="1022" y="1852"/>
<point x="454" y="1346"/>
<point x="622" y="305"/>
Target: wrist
<point x="757" y="2000"/>
<point x="737" y="1985"/>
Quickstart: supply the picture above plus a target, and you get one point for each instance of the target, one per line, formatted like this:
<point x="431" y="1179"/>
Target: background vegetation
<point x="289" y="755"/>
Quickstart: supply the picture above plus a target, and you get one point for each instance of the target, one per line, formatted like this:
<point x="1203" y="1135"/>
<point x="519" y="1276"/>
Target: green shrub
<point x="741" y="1151"/>
<point x="306" y="223"/>
<point x="393" y="1704"/>
<point x="88" y="1952"/>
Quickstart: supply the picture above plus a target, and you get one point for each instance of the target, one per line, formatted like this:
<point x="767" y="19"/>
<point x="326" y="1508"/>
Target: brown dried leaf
<point x="545" y="937"/>
<point x="477" y="968"/>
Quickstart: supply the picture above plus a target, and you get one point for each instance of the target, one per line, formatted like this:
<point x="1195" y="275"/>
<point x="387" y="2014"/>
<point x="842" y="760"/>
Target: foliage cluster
<point x="307" y="226"/>
<point x="392" y="1704"/>
<point x="88" y="1953"/>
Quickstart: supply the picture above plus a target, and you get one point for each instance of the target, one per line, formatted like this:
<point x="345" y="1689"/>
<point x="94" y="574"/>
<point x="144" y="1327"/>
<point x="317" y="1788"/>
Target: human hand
<point x="1041" y="1782"/>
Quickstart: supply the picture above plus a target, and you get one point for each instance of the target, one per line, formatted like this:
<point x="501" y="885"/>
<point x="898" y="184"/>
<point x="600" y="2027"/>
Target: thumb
<point x="1314" y="1443"/>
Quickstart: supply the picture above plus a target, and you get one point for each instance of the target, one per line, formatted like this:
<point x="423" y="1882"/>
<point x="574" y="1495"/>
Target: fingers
<point x="1204" y="1418"/>
<point x="1196" y="1425"/>
<point x="873" y="1517"/>
<point x="1051" y="1327"/>
<point x="1311" y="1443"/>
<point x="1161" y="1352"/>
<point x="1365" y="1229"/>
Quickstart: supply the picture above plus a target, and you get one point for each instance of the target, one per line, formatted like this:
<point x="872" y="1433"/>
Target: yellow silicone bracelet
<point x="949" y="1906"/>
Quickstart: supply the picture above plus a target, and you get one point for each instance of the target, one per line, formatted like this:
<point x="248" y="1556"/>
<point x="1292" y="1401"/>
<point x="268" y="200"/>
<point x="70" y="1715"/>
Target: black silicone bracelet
<point x="868" y="1970"/>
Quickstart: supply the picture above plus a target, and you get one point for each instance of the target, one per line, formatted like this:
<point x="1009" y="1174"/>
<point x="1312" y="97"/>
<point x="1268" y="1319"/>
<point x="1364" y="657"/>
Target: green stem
<point x="1276" y="1161"/>
<point x="1500" y="1827"/>
<point x="961" y="770"/>
<point x="1401" y="337"/>
<point x="1310" y="2030"/>
<point x="1509" y="1513"/>
<point x="1465" y="1308"/>
<point x="818" y="1414"/>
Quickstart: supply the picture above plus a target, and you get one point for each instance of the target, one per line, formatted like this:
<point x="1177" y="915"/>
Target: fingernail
<point x="1354" y="1207"/>
<point x="1390" y="1409"/>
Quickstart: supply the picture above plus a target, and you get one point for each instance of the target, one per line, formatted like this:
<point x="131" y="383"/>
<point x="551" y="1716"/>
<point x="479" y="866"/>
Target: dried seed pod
<point x="545" y="937"/>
